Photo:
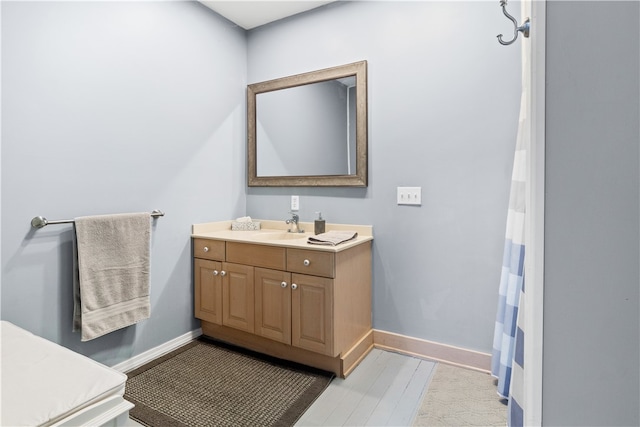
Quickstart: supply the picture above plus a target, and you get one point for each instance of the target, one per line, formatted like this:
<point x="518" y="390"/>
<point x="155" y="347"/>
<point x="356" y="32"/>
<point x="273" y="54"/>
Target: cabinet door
<point x="208" y="290"/>
<point x="237" y="296"/>
<point x="273" y="304"/>
<point x="312" y="313"/>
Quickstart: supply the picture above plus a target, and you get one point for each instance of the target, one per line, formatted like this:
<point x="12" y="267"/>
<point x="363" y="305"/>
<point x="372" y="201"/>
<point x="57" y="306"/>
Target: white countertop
<point x="221" y="230"/>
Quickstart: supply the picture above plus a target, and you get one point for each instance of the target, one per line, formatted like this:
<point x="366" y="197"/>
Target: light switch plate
<point x="409" y="195"/>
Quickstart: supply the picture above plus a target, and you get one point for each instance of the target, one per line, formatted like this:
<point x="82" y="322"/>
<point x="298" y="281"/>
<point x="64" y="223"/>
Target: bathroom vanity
<point x="272" y="292"/>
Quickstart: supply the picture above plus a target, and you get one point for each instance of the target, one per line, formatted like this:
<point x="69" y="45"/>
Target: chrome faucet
<point x="294" y="223"/>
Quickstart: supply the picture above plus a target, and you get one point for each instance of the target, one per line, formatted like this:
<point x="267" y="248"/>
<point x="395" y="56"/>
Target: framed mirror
<point x="309" y="129"/>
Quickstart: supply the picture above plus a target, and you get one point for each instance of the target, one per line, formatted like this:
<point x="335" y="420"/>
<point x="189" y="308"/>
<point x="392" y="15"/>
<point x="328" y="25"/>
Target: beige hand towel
<point x="332" y="238"/>
<point x="111" y="277"/>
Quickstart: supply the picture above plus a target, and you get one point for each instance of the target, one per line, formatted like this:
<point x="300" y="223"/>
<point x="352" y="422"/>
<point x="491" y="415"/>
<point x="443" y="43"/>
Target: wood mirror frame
<point x="359" y="179"/>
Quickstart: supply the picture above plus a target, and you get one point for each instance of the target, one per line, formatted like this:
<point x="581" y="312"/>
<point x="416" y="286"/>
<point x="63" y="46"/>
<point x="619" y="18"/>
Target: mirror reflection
<point x="309" y="129"/>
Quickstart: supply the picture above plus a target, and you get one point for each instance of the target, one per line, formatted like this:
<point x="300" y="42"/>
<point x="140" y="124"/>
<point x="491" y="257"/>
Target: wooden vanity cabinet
<point x="224" y="293"/>
<point x="295" y="309"/>
<point x="312" y="314"/>
<point x="238" y="296"/>
<point x="273" y="304"/>
<point x="208" y="290"/>
<point x="305" y="305"/>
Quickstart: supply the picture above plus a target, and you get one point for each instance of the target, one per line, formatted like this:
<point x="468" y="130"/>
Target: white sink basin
<point x="280" y="236"/>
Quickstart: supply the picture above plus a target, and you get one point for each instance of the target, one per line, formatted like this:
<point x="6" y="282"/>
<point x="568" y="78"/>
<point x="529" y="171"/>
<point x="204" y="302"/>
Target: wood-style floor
<point x="385" y="389"/>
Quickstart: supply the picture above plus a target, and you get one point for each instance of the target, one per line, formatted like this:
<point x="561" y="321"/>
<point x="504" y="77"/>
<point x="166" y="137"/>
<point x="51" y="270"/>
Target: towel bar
<point x="39" y="221"/>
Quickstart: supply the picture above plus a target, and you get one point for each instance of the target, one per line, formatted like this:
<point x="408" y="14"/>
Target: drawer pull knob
<point x="294" y="286"/>
<point x="215" y="272"/>
<point x="283" y="284"/>
<point x="206" y="249"/>
<point x="306" y="262"/>
<point x="223" y="273"/>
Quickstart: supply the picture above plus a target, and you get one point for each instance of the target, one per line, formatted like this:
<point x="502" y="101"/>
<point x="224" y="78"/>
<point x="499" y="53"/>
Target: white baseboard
<point x="381" y="339"/>
<point x="159" y="351"/>
<point x="432" y="350"/>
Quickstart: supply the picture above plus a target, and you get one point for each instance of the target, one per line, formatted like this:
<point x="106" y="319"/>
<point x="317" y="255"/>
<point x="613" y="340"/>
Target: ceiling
<point x="250" y="14"/>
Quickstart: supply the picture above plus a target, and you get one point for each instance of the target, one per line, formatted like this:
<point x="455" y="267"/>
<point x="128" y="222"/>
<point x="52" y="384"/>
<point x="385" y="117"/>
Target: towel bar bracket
<point x="40" y="221"/>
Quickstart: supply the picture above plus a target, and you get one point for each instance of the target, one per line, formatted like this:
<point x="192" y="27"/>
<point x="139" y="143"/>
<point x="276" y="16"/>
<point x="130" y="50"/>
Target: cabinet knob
<point x="223" y="273"/>
<point x="283" y="284"/>
<point x="215" y="272"/>
<point x="294" y="286"/>
<point x="306" y="262"/>
<point x="206" y="249"/>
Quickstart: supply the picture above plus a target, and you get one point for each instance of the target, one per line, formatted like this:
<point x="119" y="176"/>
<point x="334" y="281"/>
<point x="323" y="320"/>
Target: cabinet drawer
<point x="316" y="263"/>
<point x="256" y="255"/>
<point x="208" y="249"/>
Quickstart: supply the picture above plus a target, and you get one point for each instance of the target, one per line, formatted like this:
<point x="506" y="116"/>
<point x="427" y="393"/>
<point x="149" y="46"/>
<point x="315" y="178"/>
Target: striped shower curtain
<point x="508" y="343"/>
<point x="508" y="337"/>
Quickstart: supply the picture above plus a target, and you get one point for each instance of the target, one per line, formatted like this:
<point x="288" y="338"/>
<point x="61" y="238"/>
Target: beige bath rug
<point x="461" y="397"/>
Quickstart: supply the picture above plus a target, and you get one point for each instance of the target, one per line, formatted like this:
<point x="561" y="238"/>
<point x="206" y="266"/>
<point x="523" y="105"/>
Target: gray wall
<point x="115" y="107"/>
<point x="145" y="109"/>
<point x="443" y="112"/>
<point x="591" y="314"/>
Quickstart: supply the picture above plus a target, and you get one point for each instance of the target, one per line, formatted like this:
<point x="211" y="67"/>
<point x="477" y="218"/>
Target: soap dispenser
<point x="319" y="224"/>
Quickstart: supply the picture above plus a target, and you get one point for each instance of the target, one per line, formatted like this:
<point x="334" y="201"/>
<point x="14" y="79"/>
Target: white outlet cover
<point x="295" y="203"/>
